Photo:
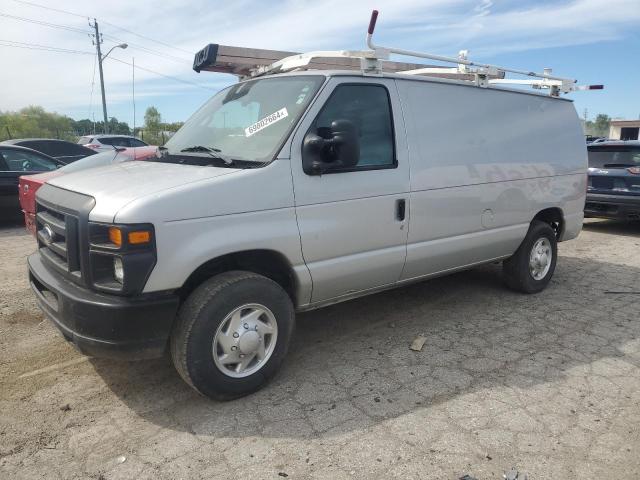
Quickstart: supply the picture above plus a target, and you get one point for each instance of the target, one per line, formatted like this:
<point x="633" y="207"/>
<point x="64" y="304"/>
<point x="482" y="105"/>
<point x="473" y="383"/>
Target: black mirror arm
<point x="319" y="166"/>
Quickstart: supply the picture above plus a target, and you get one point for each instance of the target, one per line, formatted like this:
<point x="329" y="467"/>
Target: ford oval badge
<point x="47" y="234"/>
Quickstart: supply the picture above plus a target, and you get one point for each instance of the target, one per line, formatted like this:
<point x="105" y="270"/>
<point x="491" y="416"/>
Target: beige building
<point x="624" y="129"/>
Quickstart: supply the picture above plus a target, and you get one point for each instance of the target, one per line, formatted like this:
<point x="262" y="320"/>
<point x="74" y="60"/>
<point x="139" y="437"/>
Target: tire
<point x="517" y="269"/>
<point x="206" y="316"/>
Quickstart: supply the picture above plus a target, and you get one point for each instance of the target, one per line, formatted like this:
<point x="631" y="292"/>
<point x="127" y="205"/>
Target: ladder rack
<point x="253" y="62"/>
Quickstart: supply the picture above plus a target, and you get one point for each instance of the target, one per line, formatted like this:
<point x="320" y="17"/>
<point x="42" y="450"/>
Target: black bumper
<point x="104" y="325"/>
<point x="624" y="207"/>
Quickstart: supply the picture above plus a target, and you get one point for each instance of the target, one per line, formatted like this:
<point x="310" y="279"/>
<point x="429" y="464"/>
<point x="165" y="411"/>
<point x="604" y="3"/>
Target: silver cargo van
<point x="288" y="192"/>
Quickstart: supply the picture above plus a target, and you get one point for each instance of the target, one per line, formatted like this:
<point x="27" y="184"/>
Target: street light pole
<point x="98" y="41"/>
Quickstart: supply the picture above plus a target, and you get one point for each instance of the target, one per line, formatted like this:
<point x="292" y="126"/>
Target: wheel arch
<point x="269" y="263"/>
<point x="553" y="216"/>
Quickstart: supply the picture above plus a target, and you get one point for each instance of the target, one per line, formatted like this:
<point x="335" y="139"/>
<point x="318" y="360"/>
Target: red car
<point x="29" y="184"/>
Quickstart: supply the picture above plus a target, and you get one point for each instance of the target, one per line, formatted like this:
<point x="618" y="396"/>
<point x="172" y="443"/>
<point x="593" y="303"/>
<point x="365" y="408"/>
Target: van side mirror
<point x="332" y="149"/>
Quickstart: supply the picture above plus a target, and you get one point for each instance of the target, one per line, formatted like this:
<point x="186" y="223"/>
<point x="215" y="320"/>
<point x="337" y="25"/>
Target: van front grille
<point x="58" y="241"/>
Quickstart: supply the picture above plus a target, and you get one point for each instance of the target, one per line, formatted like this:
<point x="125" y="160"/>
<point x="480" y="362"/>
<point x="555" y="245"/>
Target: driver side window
<point x="368" y="107"/>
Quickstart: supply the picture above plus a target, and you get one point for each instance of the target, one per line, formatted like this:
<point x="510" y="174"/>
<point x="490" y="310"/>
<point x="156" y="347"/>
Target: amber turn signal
<point x="115" y="236"/>
<point x="136" y="238"/>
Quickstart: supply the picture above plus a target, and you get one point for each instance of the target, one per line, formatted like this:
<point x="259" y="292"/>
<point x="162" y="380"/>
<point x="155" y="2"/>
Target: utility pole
<point x="97" y="42"/>
<point x="133" y="92"/>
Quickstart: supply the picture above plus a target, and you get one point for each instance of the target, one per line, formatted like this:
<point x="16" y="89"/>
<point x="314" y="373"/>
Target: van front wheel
<point x="531" y="267"/>
<point x="232" y="334"/>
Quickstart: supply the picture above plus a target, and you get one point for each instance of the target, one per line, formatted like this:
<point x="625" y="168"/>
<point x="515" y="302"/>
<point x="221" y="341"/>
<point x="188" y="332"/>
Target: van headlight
<point x="118" y="270"/>
<point x="121" y="257"/>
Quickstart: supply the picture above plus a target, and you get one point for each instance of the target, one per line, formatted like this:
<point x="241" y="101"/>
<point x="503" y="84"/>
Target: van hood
<point x="114" y="186"/>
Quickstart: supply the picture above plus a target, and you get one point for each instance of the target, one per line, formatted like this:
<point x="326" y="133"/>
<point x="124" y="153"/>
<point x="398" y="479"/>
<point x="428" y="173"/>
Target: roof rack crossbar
<point x="461" y="61"/>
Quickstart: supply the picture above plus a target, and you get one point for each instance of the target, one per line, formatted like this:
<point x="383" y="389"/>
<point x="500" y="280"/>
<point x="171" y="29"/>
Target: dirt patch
<point x="28" y="317"/>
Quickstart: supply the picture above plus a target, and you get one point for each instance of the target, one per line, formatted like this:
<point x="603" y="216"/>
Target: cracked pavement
<point x="548" y="384"/>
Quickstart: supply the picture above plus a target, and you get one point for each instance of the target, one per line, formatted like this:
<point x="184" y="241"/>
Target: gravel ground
<point x="548" y="384"/>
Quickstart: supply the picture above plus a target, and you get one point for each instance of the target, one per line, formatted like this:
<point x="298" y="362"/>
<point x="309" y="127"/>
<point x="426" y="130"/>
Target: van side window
<point x="368" y="107"/>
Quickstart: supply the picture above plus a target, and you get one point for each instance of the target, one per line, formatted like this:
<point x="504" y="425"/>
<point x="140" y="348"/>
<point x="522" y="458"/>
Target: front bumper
<point x="622" y="207"/>
<point x="104" y="325"/>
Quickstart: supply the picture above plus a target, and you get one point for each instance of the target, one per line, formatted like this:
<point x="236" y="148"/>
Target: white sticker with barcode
<point x="266" y="121"/>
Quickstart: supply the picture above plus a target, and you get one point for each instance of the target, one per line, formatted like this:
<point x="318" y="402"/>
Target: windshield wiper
<point x="212" y="152"/>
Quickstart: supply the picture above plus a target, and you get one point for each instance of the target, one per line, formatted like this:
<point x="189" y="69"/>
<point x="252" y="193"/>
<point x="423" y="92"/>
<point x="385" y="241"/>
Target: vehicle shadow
<point x="350" y="365"/>
<point x="10" y="224"/>
<point x="627" y="228"/>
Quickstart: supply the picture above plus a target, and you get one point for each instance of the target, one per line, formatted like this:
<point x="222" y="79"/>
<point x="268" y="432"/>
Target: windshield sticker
<point x="266" y="121"/>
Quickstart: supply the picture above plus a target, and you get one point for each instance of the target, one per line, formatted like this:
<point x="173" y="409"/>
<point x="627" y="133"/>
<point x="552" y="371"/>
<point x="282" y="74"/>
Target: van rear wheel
<point x="530" y="268"/>
<point x="232" y="334"/>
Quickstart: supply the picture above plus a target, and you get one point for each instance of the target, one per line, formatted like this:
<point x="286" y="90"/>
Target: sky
<point x="594" y="41"/>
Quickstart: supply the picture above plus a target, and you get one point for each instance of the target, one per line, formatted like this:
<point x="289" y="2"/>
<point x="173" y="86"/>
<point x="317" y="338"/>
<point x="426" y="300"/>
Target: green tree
<point x="34" y="121"/>
<point x="152" y="120"/>
<point x="601" y="124"/>
<point x="118" y="128"/>
<point x="84" y="127"/>
<point x="599" y="127"/>
<point x="155" y="131"/>
<point x="172" y="127"/>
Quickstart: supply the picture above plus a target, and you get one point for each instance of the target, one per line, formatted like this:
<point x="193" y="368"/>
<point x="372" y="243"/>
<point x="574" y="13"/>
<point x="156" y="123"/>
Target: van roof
<point x="410" y="78"/>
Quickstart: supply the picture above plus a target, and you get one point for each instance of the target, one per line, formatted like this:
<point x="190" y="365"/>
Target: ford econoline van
<point x="290" y="191"/>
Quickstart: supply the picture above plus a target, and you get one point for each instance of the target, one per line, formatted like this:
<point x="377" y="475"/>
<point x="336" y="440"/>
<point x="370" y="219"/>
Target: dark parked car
<point x="16" y="161"/>
<point x="67" y="152"/>
<point x="614" y="180"/>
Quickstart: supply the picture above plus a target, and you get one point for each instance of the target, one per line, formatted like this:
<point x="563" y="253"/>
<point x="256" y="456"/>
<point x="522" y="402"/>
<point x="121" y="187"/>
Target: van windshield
<point x="246" y="122"/>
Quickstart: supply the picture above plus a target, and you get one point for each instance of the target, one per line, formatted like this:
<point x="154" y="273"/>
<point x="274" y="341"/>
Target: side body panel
<point x="351" y="237"/>
<point x="483" y="163"/>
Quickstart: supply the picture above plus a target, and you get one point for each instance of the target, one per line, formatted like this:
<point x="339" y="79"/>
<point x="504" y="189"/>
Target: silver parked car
<point x="288" y="192"/>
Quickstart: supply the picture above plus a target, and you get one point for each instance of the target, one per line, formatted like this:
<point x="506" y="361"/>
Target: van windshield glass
<point x="246" y="122"/>
<point x="602" y="157"/>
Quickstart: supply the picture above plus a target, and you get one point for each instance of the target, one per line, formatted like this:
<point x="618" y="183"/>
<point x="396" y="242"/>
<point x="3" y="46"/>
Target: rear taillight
<point x="634" y="170"/>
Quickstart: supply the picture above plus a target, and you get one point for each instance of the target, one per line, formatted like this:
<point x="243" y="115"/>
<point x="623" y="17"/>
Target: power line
<point x="46" y="24"/>
<point x="35" y="46"/>
<point x="31" y="46"/>
<point x="136" y="46"/>
<point x="50" y="8"/>
<point x="78" y="30"/>
<point x="148" y="38"/>
<point x="33" y="4"/>
<point x="147" y="49"/>
<point x="161" y="74"/>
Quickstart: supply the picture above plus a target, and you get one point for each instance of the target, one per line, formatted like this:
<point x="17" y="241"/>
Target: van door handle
<point x="400" y="209"/>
